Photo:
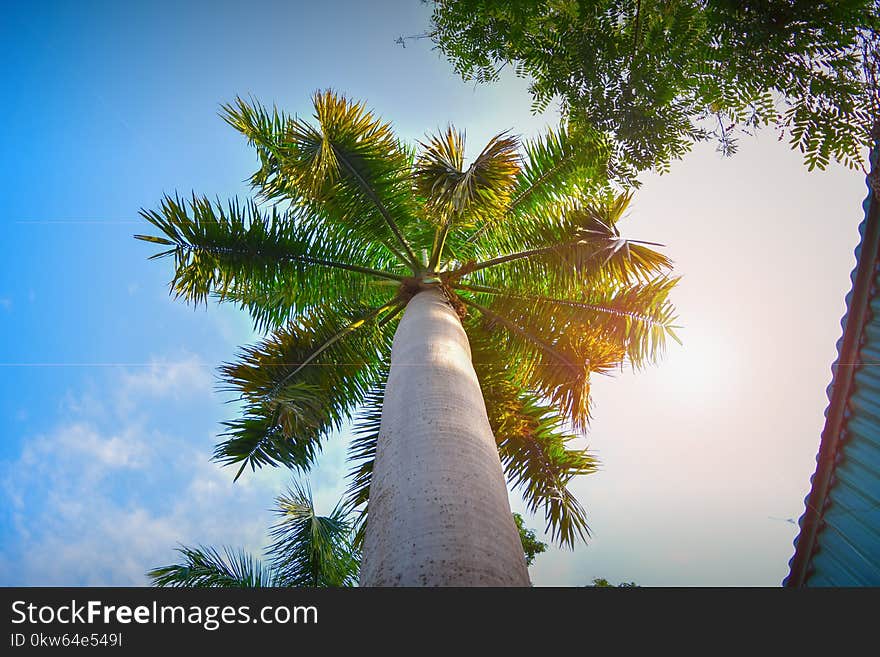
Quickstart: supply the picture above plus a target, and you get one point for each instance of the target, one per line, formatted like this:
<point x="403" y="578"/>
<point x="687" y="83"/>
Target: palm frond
<point x="362" y="454"/>
<point x="551" y="358"/>
<point x="312" y="550"/>
<point x="207" y="567"/>
<point x="638" y="318"/>
<point x="532" y="443"/>
<point x="438" y="171"/>
<point x="558" y="164"/>
<point x="457" y="198"/>
<point x="576" y="248"/>
<point x="349" y="168"/>
<point x="301" y="383"/>
<point x="239" y="253"/>
<point x="538" y="462"/>
<point x="306" y="550"/>
<point x="454" y="194"/>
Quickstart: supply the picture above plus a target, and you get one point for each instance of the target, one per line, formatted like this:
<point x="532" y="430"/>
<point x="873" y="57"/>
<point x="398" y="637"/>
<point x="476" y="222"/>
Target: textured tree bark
<point x="438" y="512"/>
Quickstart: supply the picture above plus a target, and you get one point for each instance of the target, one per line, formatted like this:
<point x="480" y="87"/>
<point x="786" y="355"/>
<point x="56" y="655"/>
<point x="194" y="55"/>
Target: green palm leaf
<point x="638" y="318"/>
<point x="556" y="360"/>
<point x="438" y="171"/>
<point x="274" y="264"/>
<point x="559" y="164"/>
<point x="463" y="197"/>
<point x="312" y="550"/>
<point x="452" y="192"/>
<point x="362" y="455"/>
<point x="207" y="567"/>
<point x="301" y="383"/>
<point x="306" y="550"/>
<point x="532" y="443"/>
<point x="349" y="157"/>
<point x="570" y="248"/>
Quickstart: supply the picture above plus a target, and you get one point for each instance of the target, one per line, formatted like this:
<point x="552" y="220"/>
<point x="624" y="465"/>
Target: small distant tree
<point x="601" y="582"/>
<point x="531" y="545"/>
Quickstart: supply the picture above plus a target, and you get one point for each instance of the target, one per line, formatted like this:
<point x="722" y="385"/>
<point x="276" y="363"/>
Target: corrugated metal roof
<point x="839" y="541"/>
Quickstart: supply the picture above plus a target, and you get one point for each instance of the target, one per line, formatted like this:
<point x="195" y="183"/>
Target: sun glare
<point x="701" y="369"/>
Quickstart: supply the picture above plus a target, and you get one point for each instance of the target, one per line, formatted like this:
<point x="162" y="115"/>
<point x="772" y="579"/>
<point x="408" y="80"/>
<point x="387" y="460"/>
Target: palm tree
<point x="306" y="550"/>
<point x="454" y="313"/>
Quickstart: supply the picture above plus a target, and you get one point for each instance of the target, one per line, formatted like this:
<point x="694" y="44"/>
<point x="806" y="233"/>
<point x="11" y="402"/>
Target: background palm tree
<point x="517" y="286"/>
<point x="306" y="550"/>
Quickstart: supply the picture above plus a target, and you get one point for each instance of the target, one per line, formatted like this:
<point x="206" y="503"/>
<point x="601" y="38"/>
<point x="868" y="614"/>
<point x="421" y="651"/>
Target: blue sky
<point x="108" y="402"/>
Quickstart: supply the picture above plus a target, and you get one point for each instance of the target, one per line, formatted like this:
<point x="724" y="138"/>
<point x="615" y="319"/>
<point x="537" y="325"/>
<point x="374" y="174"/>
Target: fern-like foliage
<point x="653" y="77"/>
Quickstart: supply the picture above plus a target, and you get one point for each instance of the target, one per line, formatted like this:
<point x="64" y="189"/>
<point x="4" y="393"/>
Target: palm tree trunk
<point x="438" y="511"/>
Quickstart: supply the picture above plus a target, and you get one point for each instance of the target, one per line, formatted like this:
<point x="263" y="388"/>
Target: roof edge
<point x="857" y="312"/>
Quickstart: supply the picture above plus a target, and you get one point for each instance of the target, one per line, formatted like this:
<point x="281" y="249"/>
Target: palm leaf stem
<point x="309" y="260"/>
<point x="439" y="243"/>
<point x="371" y="194"/>
<point x="510" y="257"/>
<point x="256" y="448"/>
<point x="543" y="345"/>
<point x="394" y="313"/>
<point x="529" y="253"/>
<point x="336" y="337"/>
<point x="528" y="191"/>
<point x="482" y="289"/>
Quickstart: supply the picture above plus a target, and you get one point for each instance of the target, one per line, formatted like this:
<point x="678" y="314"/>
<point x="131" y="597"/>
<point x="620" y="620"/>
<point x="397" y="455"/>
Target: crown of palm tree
<point x="351" y="224"/>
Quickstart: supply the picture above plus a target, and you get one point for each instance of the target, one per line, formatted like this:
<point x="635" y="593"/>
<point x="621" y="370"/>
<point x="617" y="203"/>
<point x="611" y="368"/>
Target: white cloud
<point x="110" y="491"/>
<point x="169" y="378"/>
<point x="79" y="439"/>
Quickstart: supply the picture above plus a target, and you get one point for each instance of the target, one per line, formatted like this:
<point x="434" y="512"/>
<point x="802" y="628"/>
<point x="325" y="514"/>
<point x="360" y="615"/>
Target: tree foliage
<point x="348" y="224"/>
<point x="531" y="545"/>
<point x="652" y="77"/>
<point x="602" y="583"/>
